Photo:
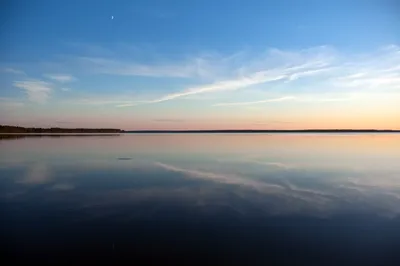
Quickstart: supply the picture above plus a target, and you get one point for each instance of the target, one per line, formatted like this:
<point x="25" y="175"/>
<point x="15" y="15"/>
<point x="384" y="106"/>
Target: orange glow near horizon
<point x="378" y="123"/>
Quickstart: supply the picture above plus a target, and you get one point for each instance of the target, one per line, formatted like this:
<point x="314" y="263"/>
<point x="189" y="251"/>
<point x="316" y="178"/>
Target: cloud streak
<point x="63" y="78"/>
<point x="106" y="101"/>
<point x="286" y="67"/>
<point x="287" y="98"/>
<point x="257" y="102"/>
<point x="37" y="91"/>
<point x="377" y="71"/>
<point x="205" y="66"/>
<point x="221" y="73"/>
<point x="13" y="71"/>
<point x="332" y="69"/>
<point x="126" y="68"/>
<point x="256" y="78"/>
<point x="167" y="120"/>
<point x="312" y="69"/>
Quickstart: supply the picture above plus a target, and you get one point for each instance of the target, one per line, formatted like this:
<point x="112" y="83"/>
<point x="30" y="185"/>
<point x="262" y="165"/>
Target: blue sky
<point x="200" y="64"/>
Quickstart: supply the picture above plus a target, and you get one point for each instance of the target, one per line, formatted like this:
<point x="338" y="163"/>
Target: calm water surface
<point x="250" y="199"/>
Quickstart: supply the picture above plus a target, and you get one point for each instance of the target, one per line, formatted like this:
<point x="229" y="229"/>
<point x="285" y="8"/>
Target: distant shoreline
<point x="56" y="130"/>
<point x="263" y="131"/>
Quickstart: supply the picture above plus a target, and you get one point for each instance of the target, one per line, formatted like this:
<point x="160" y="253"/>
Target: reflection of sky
<point x="317" y="175"/>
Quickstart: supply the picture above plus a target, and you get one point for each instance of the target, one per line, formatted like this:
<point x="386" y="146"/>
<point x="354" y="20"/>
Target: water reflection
<point x="207" y="181"/>
<point x="38" y="173"/>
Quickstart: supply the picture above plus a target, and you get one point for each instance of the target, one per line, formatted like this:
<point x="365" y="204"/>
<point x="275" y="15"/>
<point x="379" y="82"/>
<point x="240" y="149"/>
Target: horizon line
<point x="258" y="130"/>
<point x="211" y="130"/>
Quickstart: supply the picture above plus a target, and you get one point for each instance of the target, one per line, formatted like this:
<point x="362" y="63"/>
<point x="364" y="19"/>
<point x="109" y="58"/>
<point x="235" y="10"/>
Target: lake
<point x="236" y="199"/>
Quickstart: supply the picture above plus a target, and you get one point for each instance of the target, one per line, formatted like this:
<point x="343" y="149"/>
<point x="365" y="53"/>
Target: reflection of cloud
<point x="12" y="194"/>
<point x="382" y="192"/>
<point x="317" y="194"/>
<point x="124" y="158"/>
<point x="371" y="181"/>
<point x="11" y="162"/>
<point x="308" y="193"/>
<point x="275" y="164"/>
<point x="249" y="159"/>
<point x="296" y="195"/>
<point x="39" y="173"/>
<point x="231" y="179"/>
<point x="63" y="187"/>
<point x="326" y="199"/>
<point x="293" y="187"/>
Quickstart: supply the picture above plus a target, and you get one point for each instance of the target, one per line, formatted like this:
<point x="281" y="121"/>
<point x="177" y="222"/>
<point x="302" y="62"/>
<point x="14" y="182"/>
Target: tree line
<point x="15" y="129"/>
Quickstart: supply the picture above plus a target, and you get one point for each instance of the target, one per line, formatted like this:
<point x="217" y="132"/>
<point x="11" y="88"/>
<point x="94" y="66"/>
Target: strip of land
<point x="56" y="130"/>
<point x="268" y="131"/>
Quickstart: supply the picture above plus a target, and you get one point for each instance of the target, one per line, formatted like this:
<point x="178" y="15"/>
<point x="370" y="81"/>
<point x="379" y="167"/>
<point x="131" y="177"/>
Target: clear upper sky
<point x="200" y="64"/>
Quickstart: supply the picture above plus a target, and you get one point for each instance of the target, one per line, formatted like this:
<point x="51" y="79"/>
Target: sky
<point x="254" y="64"/>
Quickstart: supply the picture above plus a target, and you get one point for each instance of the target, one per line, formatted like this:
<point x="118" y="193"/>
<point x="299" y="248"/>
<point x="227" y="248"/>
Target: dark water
<point x="255" y="199"/>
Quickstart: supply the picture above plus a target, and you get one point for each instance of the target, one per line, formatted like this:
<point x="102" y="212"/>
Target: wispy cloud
<point x="267" y="122"/>
<point x="258" y="102"/>
<point x="328" y="69"/>
<point x="119" y="102"/>
<point x="206" y="65"/>
<point x="380" y="70"/>
<point x="10" y="103"/>
<point x="130" y="103"/>
<point x="322" y="68"/>
<point x="253" y="79"/>
<point x="37" y="90"/>
<point x="13" y="71"/>
<point x="377" y="80"/>
<point x="169" y="120"/>
<point x="128" y="68"/>
<point x="60" y="77"/>
<point x="289" y="98"/>
<point x="313" y="72"/>
<point x="286" y="67"/>
<point x="65" y="89"/>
